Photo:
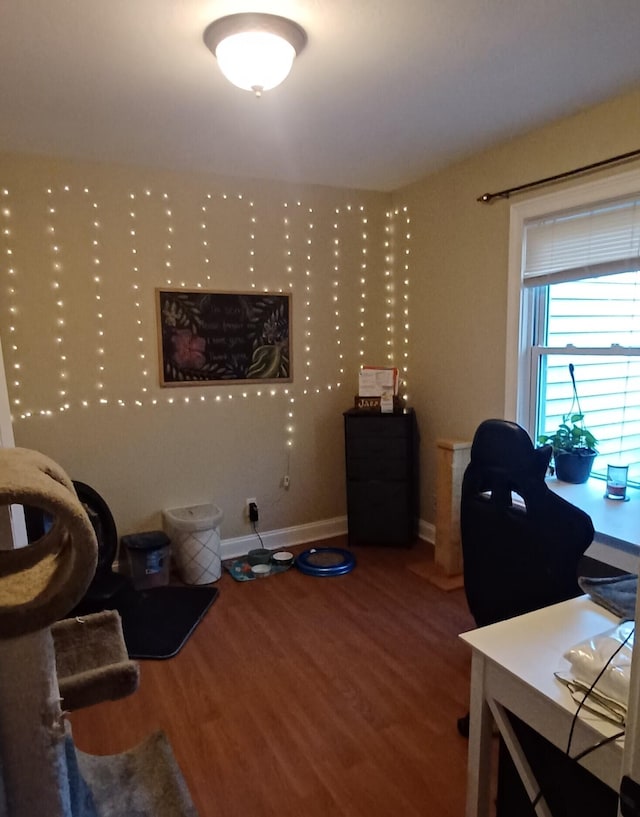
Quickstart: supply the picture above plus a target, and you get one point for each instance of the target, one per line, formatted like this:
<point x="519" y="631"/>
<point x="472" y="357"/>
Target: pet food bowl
<point x="260" y="571"/>
<point x="259" y="556"/>
<point x="282" y="558"/>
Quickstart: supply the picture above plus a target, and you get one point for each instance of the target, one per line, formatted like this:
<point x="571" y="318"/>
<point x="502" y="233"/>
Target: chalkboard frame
<point x="208" y="337"/>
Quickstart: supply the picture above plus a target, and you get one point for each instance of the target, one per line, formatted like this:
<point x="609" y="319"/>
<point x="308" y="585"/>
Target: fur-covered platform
<point x="143" y="782"/>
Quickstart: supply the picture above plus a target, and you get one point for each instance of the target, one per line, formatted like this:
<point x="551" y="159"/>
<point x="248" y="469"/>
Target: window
<point x="590" y="323"/>
<point x="578" y="297"/>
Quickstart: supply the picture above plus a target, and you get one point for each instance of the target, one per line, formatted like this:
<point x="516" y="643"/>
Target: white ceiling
<point x="384" y="92"/>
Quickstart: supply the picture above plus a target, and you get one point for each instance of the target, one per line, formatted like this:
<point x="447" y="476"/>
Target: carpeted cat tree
<point x="48" y="665"/>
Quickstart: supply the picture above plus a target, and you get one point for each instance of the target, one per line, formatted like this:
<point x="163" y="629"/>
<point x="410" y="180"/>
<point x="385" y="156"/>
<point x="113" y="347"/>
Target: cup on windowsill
<point x="617" y="482"/>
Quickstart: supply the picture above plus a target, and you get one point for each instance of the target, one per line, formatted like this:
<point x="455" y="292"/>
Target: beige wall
<point x="448" y="267"/>
<point x="459" y="264"/>
<point x="85" y="245"/>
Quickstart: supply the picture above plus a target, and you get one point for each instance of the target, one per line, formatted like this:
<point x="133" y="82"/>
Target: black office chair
<point x="521" y="542"/>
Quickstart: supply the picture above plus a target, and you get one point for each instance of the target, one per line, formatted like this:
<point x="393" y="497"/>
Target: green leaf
<point x="265" y="362"/>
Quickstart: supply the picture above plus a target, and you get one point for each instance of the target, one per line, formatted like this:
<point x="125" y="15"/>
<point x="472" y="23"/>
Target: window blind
<point x="568" y="246"/>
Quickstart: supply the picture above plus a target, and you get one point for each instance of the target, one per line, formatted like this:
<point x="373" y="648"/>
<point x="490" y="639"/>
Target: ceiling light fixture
<point x="255" y="51"/>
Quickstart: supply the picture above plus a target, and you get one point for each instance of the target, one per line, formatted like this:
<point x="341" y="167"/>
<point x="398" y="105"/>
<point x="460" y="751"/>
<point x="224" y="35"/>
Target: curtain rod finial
<point x="487" y="198"/>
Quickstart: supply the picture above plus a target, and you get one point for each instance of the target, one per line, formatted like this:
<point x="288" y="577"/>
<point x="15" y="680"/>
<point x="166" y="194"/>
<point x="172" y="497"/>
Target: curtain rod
<point x="487" y="198"/>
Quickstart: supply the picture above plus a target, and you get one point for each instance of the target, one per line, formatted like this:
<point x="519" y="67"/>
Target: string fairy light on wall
<point x="204" y="231"/>
<point x="168" y="265"/>
<point x="363" y="293"/>
<point x="388" y="261"/>
<point x="290" y="271"/>
<point x="56" y="252"/>
<point x="389" y="300"/>
<point x="335" y="294"/>
<point x="95" y="231"/>
<point x="397" y="266"/>
<point x="288" y="252"/>
<point x="14" y="375"/>
<point x="168" y="245"/>
<point x="290" y="427"/>
<point x="252" y="247"/>
<point x="405" y="295"/>
<point x="308" y="316"/>
<point x="135" y="203"/>
<point x="362" y="309"/>
<point x="303" y="249"/>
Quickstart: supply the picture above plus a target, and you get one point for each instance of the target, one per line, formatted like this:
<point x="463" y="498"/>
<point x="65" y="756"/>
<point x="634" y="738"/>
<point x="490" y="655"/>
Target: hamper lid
<point x="149" y="540"/>
<point x="194" y="517"/>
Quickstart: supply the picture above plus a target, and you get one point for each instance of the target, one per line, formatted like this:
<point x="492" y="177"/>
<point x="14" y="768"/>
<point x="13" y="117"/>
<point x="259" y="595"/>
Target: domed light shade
<point x="255" y="51"/>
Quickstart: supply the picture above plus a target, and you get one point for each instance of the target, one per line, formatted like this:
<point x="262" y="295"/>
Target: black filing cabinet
<point x="381" y="452"/>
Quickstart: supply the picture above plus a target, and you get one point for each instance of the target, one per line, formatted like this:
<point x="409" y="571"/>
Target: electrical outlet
<point x="247" y="503"/>
<point x="286" y="481"/>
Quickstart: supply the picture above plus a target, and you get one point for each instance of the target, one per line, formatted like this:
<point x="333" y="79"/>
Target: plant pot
<point x="574" y="466"/>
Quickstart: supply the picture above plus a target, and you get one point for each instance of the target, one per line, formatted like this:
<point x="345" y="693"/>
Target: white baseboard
<point x="278" y="539"/>
<point x="427" y="531"/>
<point x="299" y="534"/>
<point x="328" y="528"/>
<point x="284" y="537"/>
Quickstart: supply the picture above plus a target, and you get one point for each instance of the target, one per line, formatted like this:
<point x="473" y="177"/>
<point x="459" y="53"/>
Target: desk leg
<point x="519" y="759"/>
<point x="480" y="739"/>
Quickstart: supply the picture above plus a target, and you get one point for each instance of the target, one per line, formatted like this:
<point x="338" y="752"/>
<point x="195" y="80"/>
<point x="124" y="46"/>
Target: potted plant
<point x="574" y="446"/>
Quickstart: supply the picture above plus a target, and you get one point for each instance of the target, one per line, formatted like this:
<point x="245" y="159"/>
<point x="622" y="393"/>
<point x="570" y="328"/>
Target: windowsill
<point x="617" y="524"/>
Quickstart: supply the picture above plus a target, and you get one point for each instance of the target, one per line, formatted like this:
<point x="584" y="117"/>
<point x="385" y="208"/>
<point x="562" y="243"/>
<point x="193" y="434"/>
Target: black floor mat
<point x="157" y="622"/>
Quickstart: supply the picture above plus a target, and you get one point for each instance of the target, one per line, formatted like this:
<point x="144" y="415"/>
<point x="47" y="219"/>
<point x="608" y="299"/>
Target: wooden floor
<point x="312" y="697"/>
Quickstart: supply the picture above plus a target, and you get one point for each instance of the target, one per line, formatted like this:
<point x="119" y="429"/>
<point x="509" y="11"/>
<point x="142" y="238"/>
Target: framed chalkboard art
<point x="221" y="337"/>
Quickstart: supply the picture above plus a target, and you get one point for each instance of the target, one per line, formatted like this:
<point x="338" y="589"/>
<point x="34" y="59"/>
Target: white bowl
<point x="282" y="558"/>
<point x="261" y="571"/>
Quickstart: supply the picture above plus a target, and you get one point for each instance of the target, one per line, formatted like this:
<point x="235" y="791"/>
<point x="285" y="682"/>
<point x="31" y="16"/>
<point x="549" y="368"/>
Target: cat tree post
<point x="39" y="584"/>
<point x="85" y="659"/>
<point x="445" y="571"/>
<point x="34" y="767"/>
<point x="452" y="459"/>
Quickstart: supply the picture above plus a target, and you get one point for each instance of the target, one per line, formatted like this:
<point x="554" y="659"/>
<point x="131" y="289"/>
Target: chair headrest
<point x="501" y="445"/>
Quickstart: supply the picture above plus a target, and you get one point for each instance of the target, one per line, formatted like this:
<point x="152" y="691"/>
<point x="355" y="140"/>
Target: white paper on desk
<point x="375" y="382"/>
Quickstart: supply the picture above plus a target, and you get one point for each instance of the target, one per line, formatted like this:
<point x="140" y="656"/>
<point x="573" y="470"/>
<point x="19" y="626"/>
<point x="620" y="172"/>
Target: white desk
<point x="512" y="668"/>
<point x="617" y="524"/>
